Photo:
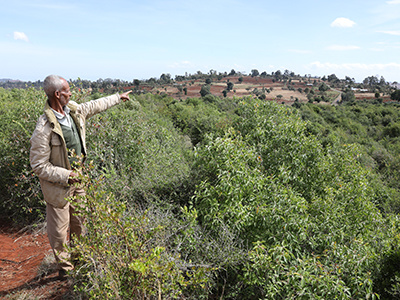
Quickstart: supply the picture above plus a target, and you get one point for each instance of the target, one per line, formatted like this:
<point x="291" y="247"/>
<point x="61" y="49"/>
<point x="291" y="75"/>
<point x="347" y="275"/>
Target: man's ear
<point x="57" y="94"/>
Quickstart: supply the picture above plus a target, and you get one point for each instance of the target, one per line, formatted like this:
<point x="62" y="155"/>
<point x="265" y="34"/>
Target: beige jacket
<point x="48" y="154"/>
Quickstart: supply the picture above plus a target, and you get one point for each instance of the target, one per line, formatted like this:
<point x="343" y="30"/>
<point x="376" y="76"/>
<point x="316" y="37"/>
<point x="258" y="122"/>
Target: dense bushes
<point x="373" y="126"/>
<point x="309" y="211"/>
<point x="130" y="252"/>
<point x="225" y="198"/>
<point x="19" y="192"/>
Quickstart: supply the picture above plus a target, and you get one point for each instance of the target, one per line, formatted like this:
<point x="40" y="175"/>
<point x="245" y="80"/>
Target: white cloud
<point x="342" y="47"/>
<point x="20" y="36"/>
<point x="393" y="2"/>
<point x="391" y="32"/>
<point x="343" y="23"/>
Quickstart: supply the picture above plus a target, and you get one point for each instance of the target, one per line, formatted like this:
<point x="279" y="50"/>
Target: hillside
<point x="282" y="88"/>
<point x="281" y="91"/>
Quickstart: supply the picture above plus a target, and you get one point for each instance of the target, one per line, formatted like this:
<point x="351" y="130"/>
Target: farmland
<point x="278" y="91"/>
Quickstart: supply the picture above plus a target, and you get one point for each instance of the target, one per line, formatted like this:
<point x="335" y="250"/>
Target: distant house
<point x="359" y="90"/>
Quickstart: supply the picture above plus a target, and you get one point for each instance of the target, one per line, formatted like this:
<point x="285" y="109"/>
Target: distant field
<point x="278" y="91"/>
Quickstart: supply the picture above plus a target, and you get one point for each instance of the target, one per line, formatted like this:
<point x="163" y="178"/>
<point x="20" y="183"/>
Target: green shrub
<point x="125" y="254"/>
<point x="373" y="128"/>
<point x="20" y="192"/>
<point x="308" y="210"/>
<point x="196" y="118"/>
<point x="145" y="157"/>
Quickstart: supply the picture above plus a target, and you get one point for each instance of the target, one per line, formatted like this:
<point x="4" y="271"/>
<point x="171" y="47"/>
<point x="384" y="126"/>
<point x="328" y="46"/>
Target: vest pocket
<point x="57" y="153"/>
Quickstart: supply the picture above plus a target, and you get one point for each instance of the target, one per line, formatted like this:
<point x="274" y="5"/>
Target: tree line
<point x="371" y="83"/>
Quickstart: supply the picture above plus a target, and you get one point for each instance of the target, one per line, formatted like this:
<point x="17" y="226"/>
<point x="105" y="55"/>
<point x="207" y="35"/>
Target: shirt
<point x="63" y="119"/>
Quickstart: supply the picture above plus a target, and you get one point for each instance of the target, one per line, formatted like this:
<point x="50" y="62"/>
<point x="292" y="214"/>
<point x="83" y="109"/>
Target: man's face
<point x="65" y="94"/>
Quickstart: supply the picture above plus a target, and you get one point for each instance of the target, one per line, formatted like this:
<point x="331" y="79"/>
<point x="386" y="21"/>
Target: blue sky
<point x="128" y="40"/>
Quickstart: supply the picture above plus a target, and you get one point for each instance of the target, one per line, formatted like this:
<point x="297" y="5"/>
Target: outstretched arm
<point x="88" y="109"/>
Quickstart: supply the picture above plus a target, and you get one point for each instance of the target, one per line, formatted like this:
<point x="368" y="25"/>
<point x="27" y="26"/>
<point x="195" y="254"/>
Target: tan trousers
<point x="59" y="221"/>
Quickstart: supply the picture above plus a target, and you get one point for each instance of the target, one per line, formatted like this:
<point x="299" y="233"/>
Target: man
<point x="58" y="138"/>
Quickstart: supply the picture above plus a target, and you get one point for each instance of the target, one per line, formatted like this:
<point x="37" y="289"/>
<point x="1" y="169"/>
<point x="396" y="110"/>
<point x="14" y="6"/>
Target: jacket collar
<point x="55" y="125"/>
<point x="50" y="115"/>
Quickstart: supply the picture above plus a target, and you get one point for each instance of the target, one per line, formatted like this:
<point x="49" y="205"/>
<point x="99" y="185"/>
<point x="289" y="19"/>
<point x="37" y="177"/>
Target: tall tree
<point x="333" y="78"/>
<point x="254" y="73"/>
<point x="165" y="78"/>
<point x="371" y="80"/>
<point x="278" y="75"/>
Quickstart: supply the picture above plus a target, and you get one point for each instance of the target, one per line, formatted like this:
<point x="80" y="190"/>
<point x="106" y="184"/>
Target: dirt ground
<point x="27" y="268"/>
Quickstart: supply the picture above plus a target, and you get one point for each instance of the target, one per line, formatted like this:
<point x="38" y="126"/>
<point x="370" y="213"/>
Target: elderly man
<point x="59" y="133"/>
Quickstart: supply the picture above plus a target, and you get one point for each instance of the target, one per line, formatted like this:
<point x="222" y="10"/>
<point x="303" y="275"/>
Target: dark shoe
<point x="62" y="275"/>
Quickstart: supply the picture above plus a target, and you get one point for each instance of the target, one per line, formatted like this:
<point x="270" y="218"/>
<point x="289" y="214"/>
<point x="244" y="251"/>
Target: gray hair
<point x="52" y="83"/>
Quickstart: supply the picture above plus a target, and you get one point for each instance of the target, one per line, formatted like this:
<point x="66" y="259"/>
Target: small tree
<point x="254" y="73"/>
<point x="323" y="87"/>
<point x="348" y="96"/>
<point x="395" y="95"/>
<point x="180" y="88"/>
<point x="205" y="90"/>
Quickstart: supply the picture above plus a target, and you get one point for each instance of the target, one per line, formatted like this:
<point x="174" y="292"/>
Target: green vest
<point x="72" y="140"/>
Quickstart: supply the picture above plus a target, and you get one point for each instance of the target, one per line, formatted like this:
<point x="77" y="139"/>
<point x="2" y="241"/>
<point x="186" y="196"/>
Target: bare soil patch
<point x="21" y="260"/>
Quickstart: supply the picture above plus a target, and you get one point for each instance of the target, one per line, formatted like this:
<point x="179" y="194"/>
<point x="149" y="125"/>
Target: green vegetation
<point x="222" y="198"/>
<point x="373" y="126"/>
